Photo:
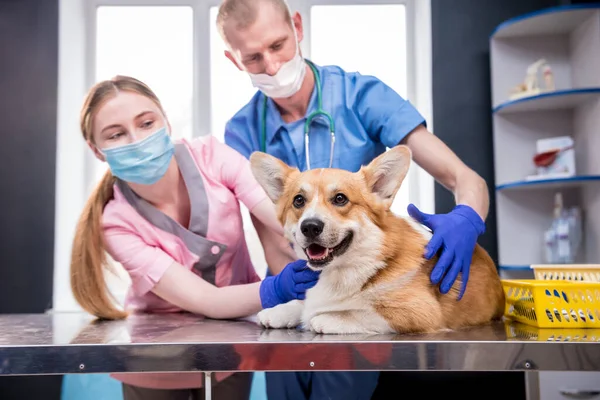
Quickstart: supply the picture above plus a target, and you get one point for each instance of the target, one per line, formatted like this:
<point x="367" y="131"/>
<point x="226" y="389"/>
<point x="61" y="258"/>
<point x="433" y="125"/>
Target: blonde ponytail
<point x="88" y="254"/>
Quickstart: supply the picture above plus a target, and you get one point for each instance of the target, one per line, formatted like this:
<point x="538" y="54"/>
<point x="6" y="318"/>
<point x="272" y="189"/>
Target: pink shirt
<point x="146" y="252"/>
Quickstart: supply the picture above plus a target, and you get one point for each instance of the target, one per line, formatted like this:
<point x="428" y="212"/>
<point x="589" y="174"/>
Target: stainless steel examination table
<point x="66" y="343"/>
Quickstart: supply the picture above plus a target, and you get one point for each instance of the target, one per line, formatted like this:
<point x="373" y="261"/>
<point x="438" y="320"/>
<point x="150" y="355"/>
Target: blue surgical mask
<point x="143" y="162"/>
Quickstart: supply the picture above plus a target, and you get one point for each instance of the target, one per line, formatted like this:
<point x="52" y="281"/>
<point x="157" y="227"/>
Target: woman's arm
<point x="264" y="211"/>
<point x="437" y="159"/>
<point x="277" y="249"/>
<point x="184" y="289"/>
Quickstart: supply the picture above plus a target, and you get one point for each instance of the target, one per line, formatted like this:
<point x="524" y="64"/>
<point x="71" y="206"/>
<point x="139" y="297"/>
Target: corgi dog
<point x="374" y="276"/>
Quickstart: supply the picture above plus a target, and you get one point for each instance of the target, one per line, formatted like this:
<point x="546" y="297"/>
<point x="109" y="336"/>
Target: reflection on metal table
<point x="74" y="343"/>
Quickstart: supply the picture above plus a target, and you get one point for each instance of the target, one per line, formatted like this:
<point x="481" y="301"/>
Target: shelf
<point x="548" y="183"/>
<point x="550" y="21"/>
<point x="515" y="267"/>
<point x="555" y="100"/>
<point x="515" y="272"/>
<point x="568" y="37"/>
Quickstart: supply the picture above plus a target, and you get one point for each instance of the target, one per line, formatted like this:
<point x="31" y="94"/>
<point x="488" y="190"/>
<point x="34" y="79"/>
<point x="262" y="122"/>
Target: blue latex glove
<point x="456" y="234"/>
<point x="290" y="284"/>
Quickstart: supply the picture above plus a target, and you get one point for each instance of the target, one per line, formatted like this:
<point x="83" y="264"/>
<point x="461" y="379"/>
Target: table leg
<point x="207" y="386"/>
<point x="532" y="385"/>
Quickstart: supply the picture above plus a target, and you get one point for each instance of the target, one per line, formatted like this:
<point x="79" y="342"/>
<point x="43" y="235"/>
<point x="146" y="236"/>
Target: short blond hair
<point x="244" y="13"/>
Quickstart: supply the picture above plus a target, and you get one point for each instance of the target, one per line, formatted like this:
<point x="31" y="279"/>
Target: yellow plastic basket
<point x="518" y="331"/>
<point x="567" y="272"/>
<point x="553" y="303"/>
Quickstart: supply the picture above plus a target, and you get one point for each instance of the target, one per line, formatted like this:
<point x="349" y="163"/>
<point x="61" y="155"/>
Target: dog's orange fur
<point x="420" y="307"/>
<point x="413" y="306"/>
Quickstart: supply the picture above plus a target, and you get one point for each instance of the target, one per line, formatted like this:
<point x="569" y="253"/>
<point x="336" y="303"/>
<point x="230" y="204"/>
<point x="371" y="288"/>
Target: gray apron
<point x="195" y="237"/>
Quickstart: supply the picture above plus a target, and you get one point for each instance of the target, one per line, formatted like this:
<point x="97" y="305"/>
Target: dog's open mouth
<point x="318" y="255"/>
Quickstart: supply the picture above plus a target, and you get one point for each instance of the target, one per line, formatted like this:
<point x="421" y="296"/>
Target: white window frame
<point x="409" y="5"/>
<point x="77" y="49"/>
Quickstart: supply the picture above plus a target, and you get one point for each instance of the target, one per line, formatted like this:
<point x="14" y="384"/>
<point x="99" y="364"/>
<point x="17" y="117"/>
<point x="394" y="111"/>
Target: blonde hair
<point x="88" y="256"/>
<point x="244" y="12"/>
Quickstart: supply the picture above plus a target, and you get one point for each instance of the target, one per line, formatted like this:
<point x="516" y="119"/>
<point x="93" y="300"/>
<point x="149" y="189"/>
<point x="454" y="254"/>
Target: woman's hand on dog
<point x="290" y="284"/>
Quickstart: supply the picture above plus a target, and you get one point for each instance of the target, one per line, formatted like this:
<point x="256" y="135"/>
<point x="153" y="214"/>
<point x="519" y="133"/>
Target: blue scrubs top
<point x="369" y="117"/>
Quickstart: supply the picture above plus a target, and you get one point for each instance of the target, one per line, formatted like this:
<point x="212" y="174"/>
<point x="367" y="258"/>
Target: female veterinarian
<point x="169" y="213"/>
<point x="313" y="117"/>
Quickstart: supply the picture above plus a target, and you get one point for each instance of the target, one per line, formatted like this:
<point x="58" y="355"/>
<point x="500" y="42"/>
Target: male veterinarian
<point x="313" y="116"/>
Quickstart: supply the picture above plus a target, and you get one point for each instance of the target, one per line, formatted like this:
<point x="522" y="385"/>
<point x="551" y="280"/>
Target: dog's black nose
<point x="311" y="228"/>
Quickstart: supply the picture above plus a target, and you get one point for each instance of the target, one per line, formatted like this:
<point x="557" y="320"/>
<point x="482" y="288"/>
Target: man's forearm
<point x="472" y="190"/>
<point x="439" y="161"/>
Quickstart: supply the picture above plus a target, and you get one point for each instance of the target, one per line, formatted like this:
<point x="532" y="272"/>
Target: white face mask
<point x="287" y="81"/>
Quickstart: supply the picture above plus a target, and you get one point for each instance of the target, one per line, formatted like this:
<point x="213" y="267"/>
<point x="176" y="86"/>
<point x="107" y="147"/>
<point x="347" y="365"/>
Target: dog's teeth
<point x="323" y="256"/>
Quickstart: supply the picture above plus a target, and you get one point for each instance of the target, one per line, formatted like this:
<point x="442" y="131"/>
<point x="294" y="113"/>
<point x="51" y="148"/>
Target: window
<point x="155" y="45"/>
<point x="231" y="88"/>
<point x="378" y="48"/>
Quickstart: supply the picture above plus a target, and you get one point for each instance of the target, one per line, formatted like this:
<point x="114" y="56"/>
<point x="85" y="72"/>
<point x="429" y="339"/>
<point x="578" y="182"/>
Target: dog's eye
<point x="299" y="201"/>
<point x="340" y="199"/>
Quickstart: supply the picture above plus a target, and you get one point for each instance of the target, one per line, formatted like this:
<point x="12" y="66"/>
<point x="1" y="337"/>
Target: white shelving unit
<point x="569" y="39"/>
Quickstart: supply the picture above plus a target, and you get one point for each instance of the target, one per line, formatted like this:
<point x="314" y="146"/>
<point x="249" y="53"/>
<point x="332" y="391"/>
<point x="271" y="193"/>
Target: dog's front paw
<point x="282" y="316"/>
<point x="325" y="323"/>
<point x="273" y="318"/>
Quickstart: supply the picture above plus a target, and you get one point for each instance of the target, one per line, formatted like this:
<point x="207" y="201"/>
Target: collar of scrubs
<point x="275" y="124"/>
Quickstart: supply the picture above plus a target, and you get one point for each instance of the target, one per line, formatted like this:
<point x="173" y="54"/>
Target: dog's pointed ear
<point x="385" y="173"/>
<point x="271" y="173"/>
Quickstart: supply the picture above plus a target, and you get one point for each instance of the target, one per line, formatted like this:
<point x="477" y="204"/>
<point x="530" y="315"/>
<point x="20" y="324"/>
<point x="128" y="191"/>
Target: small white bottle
<point x="562" y="232"/>
<point x="549" y="247"/>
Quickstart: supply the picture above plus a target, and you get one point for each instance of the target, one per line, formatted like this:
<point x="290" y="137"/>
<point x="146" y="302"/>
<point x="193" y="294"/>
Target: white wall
<point x="74" y="163"/>
<point x="71" y="151"/>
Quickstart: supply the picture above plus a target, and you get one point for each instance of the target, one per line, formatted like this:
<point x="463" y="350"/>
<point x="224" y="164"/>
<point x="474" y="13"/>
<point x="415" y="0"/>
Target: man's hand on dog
<point x="456" y="235"/>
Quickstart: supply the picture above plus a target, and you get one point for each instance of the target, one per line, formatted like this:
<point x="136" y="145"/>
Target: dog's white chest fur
<point x="332" y="306"/>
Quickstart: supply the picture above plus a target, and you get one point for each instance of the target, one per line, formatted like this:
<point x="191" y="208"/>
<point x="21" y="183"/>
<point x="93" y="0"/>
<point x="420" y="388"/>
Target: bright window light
<point x="231" y="88"/>
<point x="155" y="45"/>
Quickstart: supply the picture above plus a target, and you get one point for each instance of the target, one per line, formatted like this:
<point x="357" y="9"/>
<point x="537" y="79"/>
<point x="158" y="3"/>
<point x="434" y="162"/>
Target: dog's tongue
<point x="317" y="252"/>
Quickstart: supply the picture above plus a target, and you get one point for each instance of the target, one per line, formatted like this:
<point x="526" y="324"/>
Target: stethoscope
<point x="309" y="119"/>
